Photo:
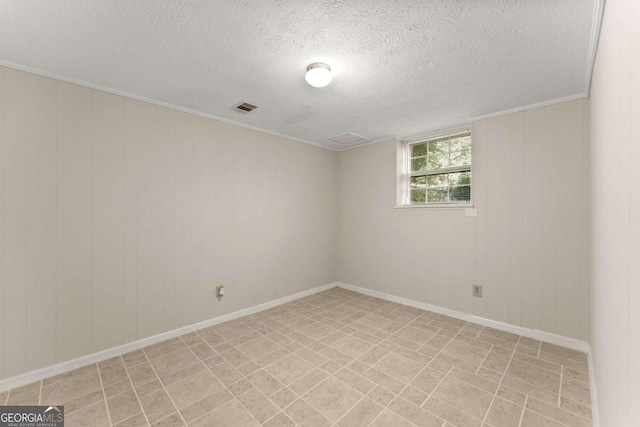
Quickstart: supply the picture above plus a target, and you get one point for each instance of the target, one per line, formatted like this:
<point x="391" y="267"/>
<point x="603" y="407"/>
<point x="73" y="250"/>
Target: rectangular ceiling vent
<point x="245" y="107"/>
<point x="348" y="138"/>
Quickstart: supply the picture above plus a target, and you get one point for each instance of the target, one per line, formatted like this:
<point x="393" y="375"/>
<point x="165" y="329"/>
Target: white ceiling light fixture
<point x="318" y="74"/>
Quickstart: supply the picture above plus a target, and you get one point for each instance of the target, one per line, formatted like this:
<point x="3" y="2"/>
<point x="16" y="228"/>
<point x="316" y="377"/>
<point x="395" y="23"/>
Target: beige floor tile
<point x="284" y="397"/>
<point x="362" y="414"/>
<point x="533" y="419"/>
<point x="112" y="372"/>
<point x="67" y="375"/>
<point x="206" y="405"/>
<point x="504" y="413"/>
<point x="381" y="395"/>
<point x="168" y="363"/>
<point x="182" y="373"/>
<point x="91" y="416"/>
<point x="231" y="414"/>
<point x="427" y="380"/>
<point x="202" y="351"/>
<point x="137" y="420"/>
<point x="311" y="356"/>
<point x="465" y="351"/>
<point x="123" y="406"/>
<point x="352" y="346"/>
<point x="141" y="373"/>
<point x="304" y="415"/>
<point x="335" y="358"/>
<point x="240" y="387"/>
<point x="463" y="396"/>
<point x="308" y="381"/>
<point x="234" y="357"/>
<point x="563" y="352"/>
<point x="576" y="390"/>
<point x="31" y="398"/>
<point x="164" y="348"/>
<point x="226" y="373"/>
<point x="280" y="420"/>
<point x="26" y="388"/>
<point x="399" y="367"/>
<point x="414" y="414"/>
<point x="390" y="419"/>
<point x="265" y="382"/>
<point x="541" y="363"/>
<point x="258" y="405"/>
<point x="317" y="330"/>
<point x="452" y="415"/>
<point x="272" y="357"/>
<point x="117" y="388"/>
<point x="289" y="369"/>
<point x="148" y="388"/>
<point x="332" y="398"/>
<point x="533" y="375"/>
<point x="157" y="406"/>
<point x="133" y="358"/>
<point x="173" y="420"/>
<point x="413" y="395"/>
<point x="257" y="348"/>
<point x="475" y="380"/>
<point x="354" y="380"/>
<point x="83" y="401"/>
<point x="577" y="408"/>
<point x="70" y="388"/>
<point x="193" y="389"/>
<point x="527" y="389"/>
<point x="557" y="414"/>
<point x="451" y="361"/>
<point x="380" y="378"/>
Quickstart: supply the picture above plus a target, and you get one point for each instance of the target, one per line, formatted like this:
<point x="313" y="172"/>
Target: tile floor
<point x="337" y="358"/>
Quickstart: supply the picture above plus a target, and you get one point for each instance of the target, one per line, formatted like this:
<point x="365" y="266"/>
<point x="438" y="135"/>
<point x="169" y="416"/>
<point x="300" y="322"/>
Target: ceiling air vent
<point x="348" y="138"/>
<point x="245" y="107"/>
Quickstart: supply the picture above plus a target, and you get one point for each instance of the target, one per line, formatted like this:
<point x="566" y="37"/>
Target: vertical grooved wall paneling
<point x="119" y="218"/>
<point x="527" y="247"/>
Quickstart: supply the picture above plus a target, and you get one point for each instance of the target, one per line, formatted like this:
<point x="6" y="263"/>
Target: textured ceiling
<point x="401" y="67"/>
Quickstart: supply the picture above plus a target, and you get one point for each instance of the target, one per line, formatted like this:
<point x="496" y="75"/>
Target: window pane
<point x="461" y="143"/>
<point x="418" y="182"/>
<point x="418" y="164"/>
<point x="438" y="160"/>
<point x="460" y="194"/>
<point x="438" y="180"/>
<point x="460" y="178"/>
<point x="461" y="158"/>
<point x="418" y="196"/>
<point x="437" y="195"/>
<point x="418" y="150"/>
<point x="439" y="146"/>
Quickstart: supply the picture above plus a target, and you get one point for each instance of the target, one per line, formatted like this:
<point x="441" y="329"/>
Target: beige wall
<point x="118" y="219"/>
<point x="528" y="246"/>
<point x="615" y="149"/>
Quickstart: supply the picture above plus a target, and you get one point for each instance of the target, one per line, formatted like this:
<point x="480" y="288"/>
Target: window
<point x="438" y="170"/>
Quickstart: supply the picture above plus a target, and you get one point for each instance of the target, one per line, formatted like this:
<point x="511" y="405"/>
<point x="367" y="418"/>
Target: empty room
<point x="341" y="213"/>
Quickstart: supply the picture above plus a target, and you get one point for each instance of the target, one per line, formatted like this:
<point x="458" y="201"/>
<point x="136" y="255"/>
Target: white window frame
<point x="403" y="171"/>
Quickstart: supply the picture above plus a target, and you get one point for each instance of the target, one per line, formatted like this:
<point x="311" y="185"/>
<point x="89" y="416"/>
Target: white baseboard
<point x="60" y="368"/>
<point x="548" y="337"/>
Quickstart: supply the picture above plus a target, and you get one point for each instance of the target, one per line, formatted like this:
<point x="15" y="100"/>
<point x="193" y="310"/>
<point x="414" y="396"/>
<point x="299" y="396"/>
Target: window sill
<point x="435" y="206"/>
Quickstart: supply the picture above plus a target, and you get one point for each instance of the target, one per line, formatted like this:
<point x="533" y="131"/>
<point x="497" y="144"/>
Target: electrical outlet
<point x="476" y="291"/>
<point x="219" y="291"/>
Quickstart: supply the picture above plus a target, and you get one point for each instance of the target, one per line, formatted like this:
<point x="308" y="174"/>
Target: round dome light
<point x="318" y="74"/>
